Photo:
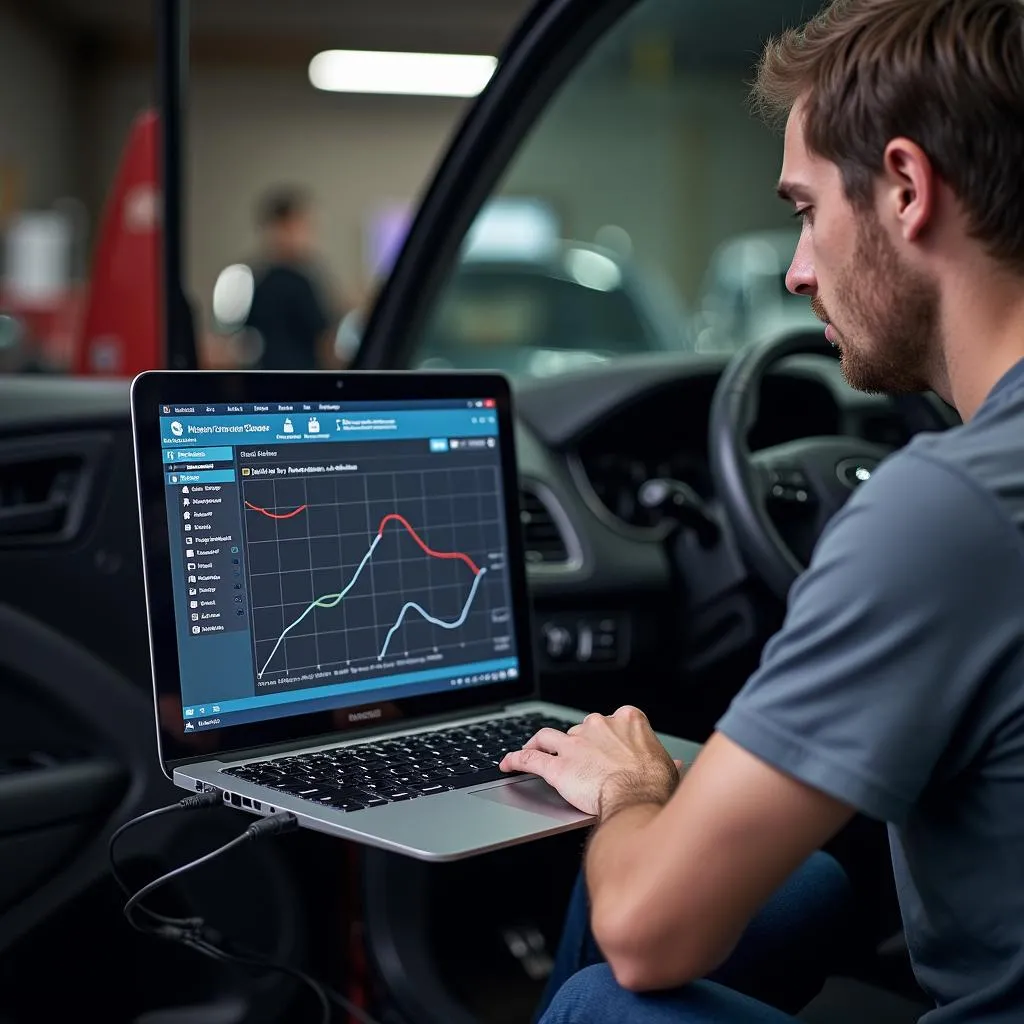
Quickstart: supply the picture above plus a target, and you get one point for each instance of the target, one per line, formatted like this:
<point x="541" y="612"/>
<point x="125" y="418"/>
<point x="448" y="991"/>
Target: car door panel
<point x="78" y="748"/>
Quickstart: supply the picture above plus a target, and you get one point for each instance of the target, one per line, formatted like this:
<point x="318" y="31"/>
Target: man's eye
<point x="804" y="214"/>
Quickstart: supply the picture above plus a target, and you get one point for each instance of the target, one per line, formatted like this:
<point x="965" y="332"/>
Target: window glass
<point x="664" y="231"/>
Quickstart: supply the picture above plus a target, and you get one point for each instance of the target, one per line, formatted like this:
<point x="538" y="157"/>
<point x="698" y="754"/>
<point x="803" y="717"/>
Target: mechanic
<point x="288" y="311"/>
<point x="896" y="685"/>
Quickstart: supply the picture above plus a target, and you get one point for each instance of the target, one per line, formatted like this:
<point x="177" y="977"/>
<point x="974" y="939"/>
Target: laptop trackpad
<point x="533" y="795"/>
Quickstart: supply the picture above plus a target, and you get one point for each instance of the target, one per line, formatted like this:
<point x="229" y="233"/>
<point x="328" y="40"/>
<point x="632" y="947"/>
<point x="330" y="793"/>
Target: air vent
<point x="544" y="542"/>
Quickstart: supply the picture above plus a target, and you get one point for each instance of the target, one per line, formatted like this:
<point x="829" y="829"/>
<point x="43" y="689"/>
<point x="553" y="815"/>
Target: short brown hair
<point x="947" y="74"/>
<point x="282" y="204"/>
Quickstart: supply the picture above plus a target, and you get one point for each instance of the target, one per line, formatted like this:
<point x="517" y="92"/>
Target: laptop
<point x="337" y="599"/>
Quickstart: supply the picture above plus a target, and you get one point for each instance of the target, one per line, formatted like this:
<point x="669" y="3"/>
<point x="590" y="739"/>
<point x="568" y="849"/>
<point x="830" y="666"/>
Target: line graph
<point x="275" y="515"/>
<point x="413" y="606"/>
<point x="366" y="572"/>
<point x="333" y="600"/>
<point x="462" y="556"/>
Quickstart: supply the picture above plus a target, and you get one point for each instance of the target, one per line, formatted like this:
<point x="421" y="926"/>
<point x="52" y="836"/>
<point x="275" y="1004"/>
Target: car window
<point x="639" y="214"/>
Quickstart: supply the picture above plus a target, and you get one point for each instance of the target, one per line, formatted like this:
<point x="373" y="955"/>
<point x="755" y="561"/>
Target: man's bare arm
<point x="672" y="888"/>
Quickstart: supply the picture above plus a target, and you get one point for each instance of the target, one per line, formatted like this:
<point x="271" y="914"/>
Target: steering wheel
<point x="815" y="474"/>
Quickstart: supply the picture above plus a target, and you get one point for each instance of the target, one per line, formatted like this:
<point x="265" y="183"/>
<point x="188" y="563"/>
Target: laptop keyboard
<point x="373" y="774"/>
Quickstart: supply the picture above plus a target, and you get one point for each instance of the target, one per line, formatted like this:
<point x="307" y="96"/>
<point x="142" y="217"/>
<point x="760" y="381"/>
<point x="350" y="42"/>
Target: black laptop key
<point x="429" y="788"/>
<point x="293" y="788"/>
<point x="456" y="757"/>
<point x="344" y="802"/>
<point x="473" y="778"/>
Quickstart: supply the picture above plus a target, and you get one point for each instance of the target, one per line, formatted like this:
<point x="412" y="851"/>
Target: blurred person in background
<point x="289" y="312"/>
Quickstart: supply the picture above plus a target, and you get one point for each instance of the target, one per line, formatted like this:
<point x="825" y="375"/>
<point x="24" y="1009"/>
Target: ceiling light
<point x="401" y="74"/>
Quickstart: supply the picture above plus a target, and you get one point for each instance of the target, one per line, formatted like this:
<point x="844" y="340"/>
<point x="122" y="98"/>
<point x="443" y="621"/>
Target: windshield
<point x="637" y="216"/>
<point x="649" y="167"/>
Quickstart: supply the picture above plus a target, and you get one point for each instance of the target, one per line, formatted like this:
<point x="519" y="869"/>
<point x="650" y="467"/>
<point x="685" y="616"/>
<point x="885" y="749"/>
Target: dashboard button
<point x="558" y="642"/>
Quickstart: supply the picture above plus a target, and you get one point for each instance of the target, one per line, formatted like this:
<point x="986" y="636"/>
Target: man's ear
<point x="908" y="187"/>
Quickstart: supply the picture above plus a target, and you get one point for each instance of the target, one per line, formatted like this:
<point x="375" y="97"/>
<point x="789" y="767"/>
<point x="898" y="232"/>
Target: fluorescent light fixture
<point x="401" y="74"/>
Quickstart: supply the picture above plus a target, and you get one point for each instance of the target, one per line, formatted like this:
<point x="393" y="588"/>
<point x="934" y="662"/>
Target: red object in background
<point x="52" y="326"/>
<point x="120" y="332"/>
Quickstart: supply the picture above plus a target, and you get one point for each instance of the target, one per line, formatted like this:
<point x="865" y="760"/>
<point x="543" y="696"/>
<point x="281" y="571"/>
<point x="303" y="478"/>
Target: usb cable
<point x="193" y="932"/>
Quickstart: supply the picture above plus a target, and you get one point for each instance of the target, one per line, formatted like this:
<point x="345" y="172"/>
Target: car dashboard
<point x="617" y="591"/>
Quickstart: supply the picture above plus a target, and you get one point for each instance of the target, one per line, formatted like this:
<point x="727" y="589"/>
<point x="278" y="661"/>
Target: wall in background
<point x="38" y="154"/>
<point x="250" y="130"/>
<point x="680" y="166"/>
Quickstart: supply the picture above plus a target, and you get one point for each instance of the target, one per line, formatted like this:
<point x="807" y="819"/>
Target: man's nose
<point x="801" y="279"/>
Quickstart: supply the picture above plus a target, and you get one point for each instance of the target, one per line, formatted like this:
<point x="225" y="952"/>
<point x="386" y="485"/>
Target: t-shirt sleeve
<point x="887" y="638"/>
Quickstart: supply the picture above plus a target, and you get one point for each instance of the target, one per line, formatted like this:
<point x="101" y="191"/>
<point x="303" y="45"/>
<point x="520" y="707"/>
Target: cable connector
<point x="273" y="825"/>
<point x="211" y="798"/>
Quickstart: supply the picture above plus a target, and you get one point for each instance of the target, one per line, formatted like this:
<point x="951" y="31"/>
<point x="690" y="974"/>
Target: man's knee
<point x="591" y="995"/>
<point x="594" y="997"/>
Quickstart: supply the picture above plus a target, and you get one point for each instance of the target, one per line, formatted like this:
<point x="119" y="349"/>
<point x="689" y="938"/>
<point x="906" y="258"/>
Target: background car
<point x="572" y="305"/>
<point x="744" y="297"/>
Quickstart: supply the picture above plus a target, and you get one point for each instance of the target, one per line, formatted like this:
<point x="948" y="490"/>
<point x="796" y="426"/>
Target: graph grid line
<point x="333" y="600"/>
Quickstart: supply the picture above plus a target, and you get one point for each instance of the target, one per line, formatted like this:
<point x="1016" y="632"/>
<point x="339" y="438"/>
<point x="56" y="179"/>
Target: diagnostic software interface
<point x="327" y="555"/>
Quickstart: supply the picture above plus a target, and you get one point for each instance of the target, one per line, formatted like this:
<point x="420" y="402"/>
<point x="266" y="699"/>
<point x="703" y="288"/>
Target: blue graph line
<point x="327" y="601"/>
<point x="430" y="618"/>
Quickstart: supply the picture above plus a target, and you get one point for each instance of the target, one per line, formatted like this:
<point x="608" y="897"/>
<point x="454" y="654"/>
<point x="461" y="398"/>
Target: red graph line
<point x="430" y="551"/>
<point x="275" y="515"/>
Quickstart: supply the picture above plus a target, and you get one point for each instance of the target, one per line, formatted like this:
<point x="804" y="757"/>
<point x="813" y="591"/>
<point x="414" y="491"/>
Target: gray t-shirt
<point x="897" y="686"/>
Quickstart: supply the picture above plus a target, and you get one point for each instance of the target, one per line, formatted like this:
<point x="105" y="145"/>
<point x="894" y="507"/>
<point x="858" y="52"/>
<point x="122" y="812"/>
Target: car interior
<point x="670" y="494"/>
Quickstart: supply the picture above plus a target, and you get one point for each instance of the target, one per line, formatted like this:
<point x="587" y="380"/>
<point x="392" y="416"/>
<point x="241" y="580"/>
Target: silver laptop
<point x="337" y="601"/>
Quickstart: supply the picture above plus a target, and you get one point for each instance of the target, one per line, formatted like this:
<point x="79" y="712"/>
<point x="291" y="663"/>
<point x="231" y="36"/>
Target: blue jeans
<point x="778" y="966"/>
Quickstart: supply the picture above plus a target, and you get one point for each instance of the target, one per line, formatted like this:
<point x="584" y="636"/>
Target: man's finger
<point x="550" y="740"/>
<point x="536" y="762"/>
<point x="629" y="711"/>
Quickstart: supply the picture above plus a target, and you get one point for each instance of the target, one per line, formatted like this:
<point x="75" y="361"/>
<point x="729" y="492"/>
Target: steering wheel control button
<point x="789" y="485"/>
<point x="854" y="472"/>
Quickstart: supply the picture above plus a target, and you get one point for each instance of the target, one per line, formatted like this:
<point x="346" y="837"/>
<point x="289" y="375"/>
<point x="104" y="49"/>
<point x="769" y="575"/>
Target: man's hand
<point x="603" y="764"/>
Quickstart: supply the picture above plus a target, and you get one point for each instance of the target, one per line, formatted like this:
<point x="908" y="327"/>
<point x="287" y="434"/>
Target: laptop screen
<point x="328" y="555"/>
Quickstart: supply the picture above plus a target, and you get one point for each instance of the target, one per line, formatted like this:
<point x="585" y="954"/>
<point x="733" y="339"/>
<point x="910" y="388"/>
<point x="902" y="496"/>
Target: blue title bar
<point x="389" y="425"/>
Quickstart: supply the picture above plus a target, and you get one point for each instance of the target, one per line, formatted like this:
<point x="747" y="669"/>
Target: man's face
<point x="882" y="314"/>
<point x="293" y="236"/>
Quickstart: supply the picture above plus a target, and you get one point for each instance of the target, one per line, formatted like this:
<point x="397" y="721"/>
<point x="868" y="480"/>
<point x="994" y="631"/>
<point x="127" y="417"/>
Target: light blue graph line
<point x="430" y="618"/>
<point x="327" y="601"/>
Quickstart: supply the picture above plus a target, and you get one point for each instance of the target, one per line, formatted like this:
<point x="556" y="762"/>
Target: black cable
<point x="194" y="802"/>
<point x="249" y="958"/>
<point x="319" y="990"/>
<point x="272" y="825"/>
<point x="195" y="934"/>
